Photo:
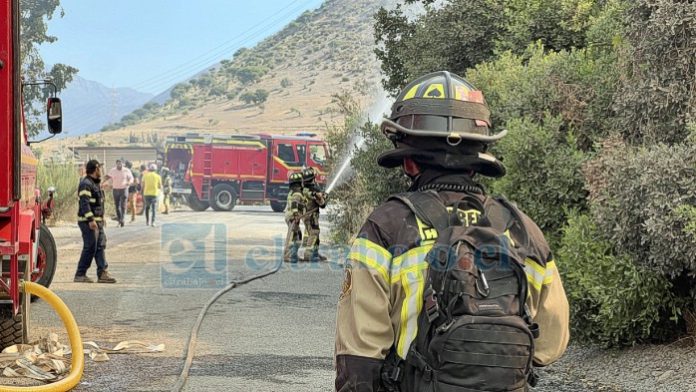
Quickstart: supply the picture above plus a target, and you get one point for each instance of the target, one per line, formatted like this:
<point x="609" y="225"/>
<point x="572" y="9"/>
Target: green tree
<point x="35" y="16"/>
<point x="657" y="95"/>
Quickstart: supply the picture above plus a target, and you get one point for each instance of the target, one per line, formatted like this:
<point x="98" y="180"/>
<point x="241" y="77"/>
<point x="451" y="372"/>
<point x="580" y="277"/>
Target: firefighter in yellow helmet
<point x="295" y="209"/>
<point x="412" y="318"/>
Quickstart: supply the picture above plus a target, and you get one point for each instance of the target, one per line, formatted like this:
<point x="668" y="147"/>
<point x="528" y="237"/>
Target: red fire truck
<point x="220" y="171"/>
<point x="27" y="248"/>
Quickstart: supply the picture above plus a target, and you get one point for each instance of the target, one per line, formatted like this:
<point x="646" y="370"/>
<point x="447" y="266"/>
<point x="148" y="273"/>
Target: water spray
<point x="374" y="115"/>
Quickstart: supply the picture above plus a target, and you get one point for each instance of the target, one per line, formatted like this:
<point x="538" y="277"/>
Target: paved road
<point x="275" y="334"/>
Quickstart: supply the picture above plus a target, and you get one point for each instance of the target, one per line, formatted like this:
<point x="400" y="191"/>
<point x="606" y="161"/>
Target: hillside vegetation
<point x="284" y="84"/>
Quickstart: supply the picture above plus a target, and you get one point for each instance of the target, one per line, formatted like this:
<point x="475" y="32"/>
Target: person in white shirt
<point x="121" y="178"/>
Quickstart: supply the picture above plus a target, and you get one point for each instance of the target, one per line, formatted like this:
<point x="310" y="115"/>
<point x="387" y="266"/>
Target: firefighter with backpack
<point x="447" y="288"/>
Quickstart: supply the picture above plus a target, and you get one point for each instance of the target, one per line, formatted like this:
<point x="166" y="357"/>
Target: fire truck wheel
<point x="10" y="327"/>
<point x="224" y="197"/>
<point x="45" y="260"/>
<point x="277" y="206"/>
<point x="196" y="204"/>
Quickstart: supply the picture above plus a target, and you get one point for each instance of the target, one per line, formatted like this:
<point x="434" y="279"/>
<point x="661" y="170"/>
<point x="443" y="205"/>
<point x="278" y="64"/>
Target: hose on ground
<point x="77" y="362"/>
<point x="191" y="345"/>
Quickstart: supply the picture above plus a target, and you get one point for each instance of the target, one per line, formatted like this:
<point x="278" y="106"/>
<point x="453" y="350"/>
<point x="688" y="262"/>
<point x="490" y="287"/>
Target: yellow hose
<point x="78" y="356"/>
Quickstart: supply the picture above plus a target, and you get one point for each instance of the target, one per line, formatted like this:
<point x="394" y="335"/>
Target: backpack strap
<point x="510" y="216"/>
<point x="427" y="206"/>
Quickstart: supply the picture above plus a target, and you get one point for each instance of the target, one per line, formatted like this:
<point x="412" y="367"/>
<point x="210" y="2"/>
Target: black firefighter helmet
<point x="308" y="175"/>
<point x="295" y="179"/>
<point x="441" y="120"/>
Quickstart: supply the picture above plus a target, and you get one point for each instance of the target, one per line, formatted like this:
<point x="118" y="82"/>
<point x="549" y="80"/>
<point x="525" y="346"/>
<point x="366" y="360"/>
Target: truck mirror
<point x="55" y="116"/>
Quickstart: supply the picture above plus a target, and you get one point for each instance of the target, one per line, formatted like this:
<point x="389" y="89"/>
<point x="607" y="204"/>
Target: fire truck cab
<point x="221" y="171"/>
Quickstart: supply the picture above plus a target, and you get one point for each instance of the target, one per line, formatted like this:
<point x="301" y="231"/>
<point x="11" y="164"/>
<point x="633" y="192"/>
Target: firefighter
<point x="316" y="200"/>
<point x="441" y="131"/>
<point x="90" y="217"/>
<point x="166" y="188"/>
<point x="296" y="207"/>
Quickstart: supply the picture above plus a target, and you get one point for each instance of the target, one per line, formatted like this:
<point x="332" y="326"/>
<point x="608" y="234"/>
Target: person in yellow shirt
<point x="151" y="184"/>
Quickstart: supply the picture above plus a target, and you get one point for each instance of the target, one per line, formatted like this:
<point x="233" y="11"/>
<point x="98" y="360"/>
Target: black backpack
<point x="474" y="330"/>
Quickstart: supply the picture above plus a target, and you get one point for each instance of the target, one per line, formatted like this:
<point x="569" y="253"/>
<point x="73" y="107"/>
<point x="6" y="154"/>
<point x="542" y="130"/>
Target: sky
<point x="149" y="45"/>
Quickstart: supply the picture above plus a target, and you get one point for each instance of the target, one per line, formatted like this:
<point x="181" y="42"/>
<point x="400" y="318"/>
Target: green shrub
<point x="65" y="177"/>
<point x="544" y="172"/>
<point x="613" y="301"/>
<point x="641" y="197"/>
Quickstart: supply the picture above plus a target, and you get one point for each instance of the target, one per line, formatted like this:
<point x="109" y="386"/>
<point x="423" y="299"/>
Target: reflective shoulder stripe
<point x="409" y="270"/>
<point x="372" y="256"/>
<point x="537" y="275"/>
<point x="413" y="260"/>
<point x="85" y="192"/>
<point x="550" y="272"/>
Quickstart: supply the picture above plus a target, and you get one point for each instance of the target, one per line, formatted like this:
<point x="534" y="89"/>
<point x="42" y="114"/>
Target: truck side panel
<point x="7" y="105"/>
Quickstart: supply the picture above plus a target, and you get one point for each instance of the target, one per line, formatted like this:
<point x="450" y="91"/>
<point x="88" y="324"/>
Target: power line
<point x="224" y="48"/>
<point x="167" y="80"/>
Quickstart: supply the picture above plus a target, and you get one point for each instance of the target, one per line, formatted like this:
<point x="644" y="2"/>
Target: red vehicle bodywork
<point x="256" y="167"/>
<point x="20" y="208"/>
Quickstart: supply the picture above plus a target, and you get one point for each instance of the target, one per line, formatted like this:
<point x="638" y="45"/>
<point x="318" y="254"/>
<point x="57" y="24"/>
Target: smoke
<point x="374" y="114"/>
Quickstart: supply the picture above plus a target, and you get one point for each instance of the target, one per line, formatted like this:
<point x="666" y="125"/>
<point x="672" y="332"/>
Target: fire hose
<point x="77" y="362"/>
<point x="191" y="345"/>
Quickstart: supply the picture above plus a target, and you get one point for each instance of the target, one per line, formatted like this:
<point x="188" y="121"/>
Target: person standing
<point x="166" y="188"/>
<point x="316" y="199"/>
<point x="133" y="190"/>
<point x="446" y="287"/>
<point x="151" y="185"/>
<point x="121" y="179"/>
<point x="90" y="219"/>
<point x="294" y="210"/>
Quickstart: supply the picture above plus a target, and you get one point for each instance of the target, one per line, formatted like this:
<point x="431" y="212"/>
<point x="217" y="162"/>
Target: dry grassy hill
<point x="324" y="52"/>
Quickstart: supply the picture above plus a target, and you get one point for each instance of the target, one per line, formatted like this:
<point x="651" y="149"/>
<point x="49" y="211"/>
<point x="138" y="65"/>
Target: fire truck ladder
<point x="207" y="171"/>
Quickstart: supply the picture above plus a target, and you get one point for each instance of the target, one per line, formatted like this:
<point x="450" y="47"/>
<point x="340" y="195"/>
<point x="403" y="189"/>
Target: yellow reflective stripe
<point x="372" y="256"/>
<point x="85" y="192"/>
<point x="412" y="92"/>
<point x="84" y="219"/>
<point x="550" y="272"/>
<point x="413" y="260"/>
<point x="535" y="273"/>
<point x="89" y="214"/>
<point x="413" y="283"/>
<point x="92" y="200"/>
<point x="409" y="269"/>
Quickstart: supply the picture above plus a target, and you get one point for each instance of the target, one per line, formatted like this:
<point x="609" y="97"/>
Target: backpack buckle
<point x="395" y="374"/>
<point x="431" y="306"/>
<point x="427" y="373"/>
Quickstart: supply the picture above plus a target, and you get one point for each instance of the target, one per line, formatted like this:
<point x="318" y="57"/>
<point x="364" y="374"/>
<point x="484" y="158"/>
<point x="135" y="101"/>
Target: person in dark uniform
<point x="90" y="219"/>
<point x="316" y="200"/>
